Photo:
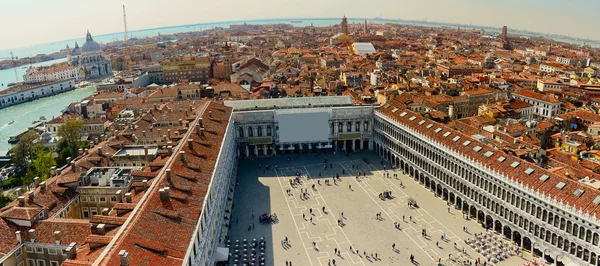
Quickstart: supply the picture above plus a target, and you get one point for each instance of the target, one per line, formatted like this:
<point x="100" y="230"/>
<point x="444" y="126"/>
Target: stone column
<point x="238" y="152"/>
<point x="335" y="146"/>
<point x="255" y="150"/>
<point x="370" y="144"/>
<point x="247" y="151"/>
<point x="274" y="149"/>
<point x="362" y="144"/>
<point x="265" y="149"/>
<point x="353" y="145"/>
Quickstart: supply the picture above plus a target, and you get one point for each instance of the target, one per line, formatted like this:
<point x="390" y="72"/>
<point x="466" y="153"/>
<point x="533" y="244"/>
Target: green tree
<point x="5" y="200"/>
<point x="70" y="133"/>
<point x="24" y="152"/>
<point x="42" y="164"/>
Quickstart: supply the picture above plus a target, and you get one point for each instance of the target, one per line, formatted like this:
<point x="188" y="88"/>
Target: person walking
<point x="394" y="246"/>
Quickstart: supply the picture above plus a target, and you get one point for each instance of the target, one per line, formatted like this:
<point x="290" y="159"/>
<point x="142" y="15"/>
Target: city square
<point x="366" y="233"/>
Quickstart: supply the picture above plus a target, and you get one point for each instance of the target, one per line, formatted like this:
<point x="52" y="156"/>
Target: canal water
<point x="24" y="114"/>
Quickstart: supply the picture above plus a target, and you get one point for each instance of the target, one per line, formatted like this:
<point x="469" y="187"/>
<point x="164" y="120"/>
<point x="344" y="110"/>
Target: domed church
<point x="89" y="59"/>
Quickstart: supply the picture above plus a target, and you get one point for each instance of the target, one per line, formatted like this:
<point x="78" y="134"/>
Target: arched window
<point x="241" y="132"/>
<point x="250" y="132"/>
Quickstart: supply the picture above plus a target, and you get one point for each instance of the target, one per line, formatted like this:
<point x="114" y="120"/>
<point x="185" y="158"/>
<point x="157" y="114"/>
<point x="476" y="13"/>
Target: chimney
<point x="80" y="152"/>
<point x="69" y="161"/>
<point x="100" y="229"/>
<point x="209" y="113"/>
<point x="144" y="133"/>
<point x="74" y="166"/>
<point x="158" y="130"/>
<point x="32" y="235"/>
<point x="170" y="148"/>
<point x="18" y="235"/>
<point x="105" y="211"/>
<point x="31" y="195"/>
<point x="198" y="127"/>
<point x="43" y="186"/>
<point x="124" y="258"/>
<point x="202" y="130"/>
<point x="57" y="237"/>
<point x="21" y="201"/>
<point x="190" y="144"/>
<point x="119" y="196"/>
<point x="200" y="122"/>
<point x="36" y="181"/>
<point x="168" y="174"/>
<point x="100" y="151"/>
<point x="182" y="156"/>
<point x="164" y="194"/>
<point x="128" y="197"/>
<point x="53" y="170"/>
<point x="169" y="133"/>
<point x="145" y="182"/>
<point x="146" y="150"/>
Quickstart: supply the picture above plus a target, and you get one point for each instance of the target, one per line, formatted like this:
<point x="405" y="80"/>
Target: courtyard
<point x="316" y="229"/>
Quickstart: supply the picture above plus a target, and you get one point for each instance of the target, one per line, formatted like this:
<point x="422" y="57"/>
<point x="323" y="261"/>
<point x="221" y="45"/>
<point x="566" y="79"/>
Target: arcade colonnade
<point x="544" y="231"/>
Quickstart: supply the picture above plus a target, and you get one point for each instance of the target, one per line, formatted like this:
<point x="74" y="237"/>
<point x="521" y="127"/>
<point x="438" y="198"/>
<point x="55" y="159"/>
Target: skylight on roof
<point x="403" y="114"/>
<point x="515" y="164"/>
<point x="501" y="159"/>
<point x="447" y="134"/>
<point x="466" y="143"/>
<point x="430" y="126"/>
<point x="477" y="148"/>
<point x="544" y="178"/>
<point x="578" y="192"/>
<point x="437" y="130"/>
<point x="387" y="106"/>
<point x="412" y="118"/>
<point x="561" y="185"/>
<point x="421" y="122"/>
<point x="488" y="154"/>
<point x="529" y="171"/>
<point x="596" y="200"/>
<point x="394" y="110"/>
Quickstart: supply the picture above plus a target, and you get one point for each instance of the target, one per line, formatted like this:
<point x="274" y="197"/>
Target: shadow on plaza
<point x="250" y="201"/>
<point x="253" y="199"/>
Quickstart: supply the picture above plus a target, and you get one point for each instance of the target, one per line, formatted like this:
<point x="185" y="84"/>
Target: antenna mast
<point x="125" y="22"/>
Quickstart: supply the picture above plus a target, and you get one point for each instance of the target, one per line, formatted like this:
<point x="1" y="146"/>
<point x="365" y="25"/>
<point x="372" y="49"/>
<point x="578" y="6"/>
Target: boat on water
<point x="43" y="118"/>
<point x="11" y="122"/>
<point x="10" y="84"/>
<point x="296" y="21"/>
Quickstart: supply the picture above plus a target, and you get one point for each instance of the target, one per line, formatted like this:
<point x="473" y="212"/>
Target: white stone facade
<point x="535" y="222"/>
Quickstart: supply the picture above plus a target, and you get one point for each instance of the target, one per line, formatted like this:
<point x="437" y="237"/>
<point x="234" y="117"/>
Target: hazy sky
<point x="29" y="22"/>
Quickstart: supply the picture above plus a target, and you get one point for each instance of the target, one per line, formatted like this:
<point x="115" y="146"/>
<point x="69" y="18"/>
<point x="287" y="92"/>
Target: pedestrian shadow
<point x="416" y="263"/>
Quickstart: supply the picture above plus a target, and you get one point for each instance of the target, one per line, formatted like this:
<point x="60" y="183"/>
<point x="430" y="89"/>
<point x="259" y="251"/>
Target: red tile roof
<point x="144" y="238"/>
<point x="504" y="168"/>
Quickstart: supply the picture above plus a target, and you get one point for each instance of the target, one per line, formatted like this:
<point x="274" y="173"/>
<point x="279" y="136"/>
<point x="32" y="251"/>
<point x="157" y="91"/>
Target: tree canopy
<point x="70" y="133"/>
<point x="24" y="152"/>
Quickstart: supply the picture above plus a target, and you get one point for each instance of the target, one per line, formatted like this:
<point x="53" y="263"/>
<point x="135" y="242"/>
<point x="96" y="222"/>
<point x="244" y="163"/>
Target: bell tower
<point x="344" y="25"/>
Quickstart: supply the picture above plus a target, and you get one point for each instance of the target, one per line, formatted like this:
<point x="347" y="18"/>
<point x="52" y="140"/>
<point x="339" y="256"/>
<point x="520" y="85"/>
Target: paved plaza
<point x="260" y="191"/>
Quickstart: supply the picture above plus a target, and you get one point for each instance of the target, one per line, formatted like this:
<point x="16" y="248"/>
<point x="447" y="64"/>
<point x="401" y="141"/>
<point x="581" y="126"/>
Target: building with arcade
<point x="549" y="215"/>
<point x="301" y="125"/>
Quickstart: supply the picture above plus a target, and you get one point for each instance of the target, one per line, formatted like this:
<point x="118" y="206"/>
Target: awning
<point x="222" y="254"/>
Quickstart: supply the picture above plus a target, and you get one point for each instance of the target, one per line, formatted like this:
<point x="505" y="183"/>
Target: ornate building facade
<point x="89" y="59"/>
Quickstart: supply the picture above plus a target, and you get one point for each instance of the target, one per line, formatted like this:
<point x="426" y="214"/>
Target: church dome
<point x="90" y="45"/>
<point x="76" y="50"/>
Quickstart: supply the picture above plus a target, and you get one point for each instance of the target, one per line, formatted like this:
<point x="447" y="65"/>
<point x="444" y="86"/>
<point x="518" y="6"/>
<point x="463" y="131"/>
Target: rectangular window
<point x="84" y="198"/>
<point x="357" y="126"/>
<point x="52" y="251"/>
<point x="92" y="198"/>
<point x="366" y="124"/>
<point x="340" y="127"/>
<point x="102" y="199"/>
<point x="85" y="212"/>
<point x="348" y="126"/>
<point x="54" y="263"/>
<point x="41" y="263"/>
<point x="39" y="250"/>
<point x="94" y="211"/>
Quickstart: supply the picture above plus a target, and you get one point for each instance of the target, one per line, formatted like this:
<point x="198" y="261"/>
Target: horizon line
<point x="292" y="18"/>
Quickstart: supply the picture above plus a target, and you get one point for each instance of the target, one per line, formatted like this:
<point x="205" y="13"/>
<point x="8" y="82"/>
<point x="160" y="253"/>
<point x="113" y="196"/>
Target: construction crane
<point x="125" y="23"/>
<point x="14" y="61"/>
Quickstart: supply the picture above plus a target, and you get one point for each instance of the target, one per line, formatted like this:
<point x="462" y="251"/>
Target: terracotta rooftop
<point x="532" y="180"/>
<point x="144" y="237"/>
